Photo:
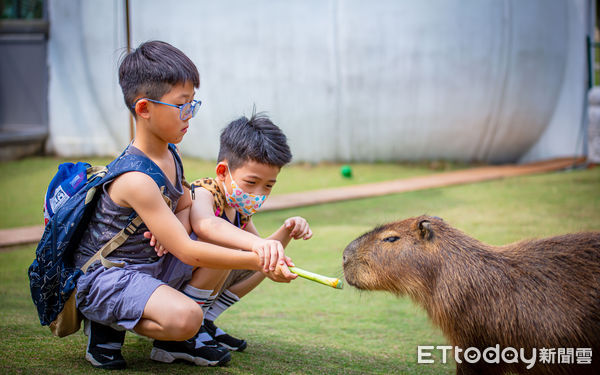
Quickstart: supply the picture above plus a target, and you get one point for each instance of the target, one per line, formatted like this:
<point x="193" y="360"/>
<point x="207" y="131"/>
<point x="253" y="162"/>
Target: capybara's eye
<point x="391" y="239"/>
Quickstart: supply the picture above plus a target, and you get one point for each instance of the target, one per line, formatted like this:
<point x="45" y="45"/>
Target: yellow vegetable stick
<point x="331" y="281"/>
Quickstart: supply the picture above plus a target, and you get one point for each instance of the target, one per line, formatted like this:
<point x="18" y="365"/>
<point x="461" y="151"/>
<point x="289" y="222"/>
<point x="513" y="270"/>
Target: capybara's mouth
<point x="355" y="284"/>
<point x="357" y="280"/>
<point x="350" y="280"/>
<point x="350" y="275"/>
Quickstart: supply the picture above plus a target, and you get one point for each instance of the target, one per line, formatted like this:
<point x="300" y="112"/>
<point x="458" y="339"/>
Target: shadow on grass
<point x="29" y="350"/>
<point x="285" y="335"/>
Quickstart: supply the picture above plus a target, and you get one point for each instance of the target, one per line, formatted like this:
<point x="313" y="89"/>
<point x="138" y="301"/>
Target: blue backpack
<point x="70" y="202"/>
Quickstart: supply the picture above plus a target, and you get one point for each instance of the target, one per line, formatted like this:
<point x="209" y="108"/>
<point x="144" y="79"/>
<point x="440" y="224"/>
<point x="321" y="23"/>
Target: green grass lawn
<point x="304" y="327"/>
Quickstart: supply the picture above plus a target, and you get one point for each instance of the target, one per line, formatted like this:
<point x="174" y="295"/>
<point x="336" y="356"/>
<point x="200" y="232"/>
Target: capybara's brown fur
<point x="542" y="293"/>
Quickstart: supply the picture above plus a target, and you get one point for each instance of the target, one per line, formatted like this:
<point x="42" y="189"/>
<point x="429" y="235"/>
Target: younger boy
<point x="252" y="153"/>
<point x="144" y="295"/>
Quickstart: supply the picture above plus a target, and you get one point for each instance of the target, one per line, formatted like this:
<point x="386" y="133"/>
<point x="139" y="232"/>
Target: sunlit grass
<point x="304" y="327"/>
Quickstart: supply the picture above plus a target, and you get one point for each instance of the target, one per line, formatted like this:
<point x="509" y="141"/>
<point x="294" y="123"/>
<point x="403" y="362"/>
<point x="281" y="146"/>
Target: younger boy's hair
<point x="151" y="71"/>
<point x="255" y="139"/>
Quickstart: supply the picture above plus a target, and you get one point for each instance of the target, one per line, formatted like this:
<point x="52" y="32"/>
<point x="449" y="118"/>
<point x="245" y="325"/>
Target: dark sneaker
<point x="220" y="336"/>
<point x="207" y="353"/>
<point x="104" y="347"/>
<point x="108" y="359"/>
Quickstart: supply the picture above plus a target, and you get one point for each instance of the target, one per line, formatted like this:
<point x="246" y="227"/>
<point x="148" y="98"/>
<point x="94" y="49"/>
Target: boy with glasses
<point x="143" y="295"/>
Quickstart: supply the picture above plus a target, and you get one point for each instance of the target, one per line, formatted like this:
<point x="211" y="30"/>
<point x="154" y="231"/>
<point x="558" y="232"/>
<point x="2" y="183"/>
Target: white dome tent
<point x="495" y="81"/>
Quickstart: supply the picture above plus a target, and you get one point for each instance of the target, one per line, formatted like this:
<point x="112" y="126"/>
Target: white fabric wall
<point x="564" y="133"/>
<point x="86" y="111"/>
<point x="594" y="126"/>
<point x="345" y="79"/>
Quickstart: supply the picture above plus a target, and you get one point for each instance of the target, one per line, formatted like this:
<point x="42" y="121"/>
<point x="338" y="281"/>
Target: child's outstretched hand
<point x="282" y="273"/>
<point x="270" y="253"/>
<point x="298" y="227"/>
<point x="159" y="248"/>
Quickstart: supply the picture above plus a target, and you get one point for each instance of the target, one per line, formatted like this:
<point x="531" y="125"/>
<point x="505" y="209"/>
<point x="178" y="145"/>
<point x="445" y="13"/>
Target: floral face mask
<point x="244" y="203"/>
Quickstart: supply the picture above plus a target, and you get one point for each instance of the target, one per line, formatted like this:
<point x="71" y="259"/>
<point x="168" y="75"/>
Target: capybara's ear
<point x="425" y="230"/>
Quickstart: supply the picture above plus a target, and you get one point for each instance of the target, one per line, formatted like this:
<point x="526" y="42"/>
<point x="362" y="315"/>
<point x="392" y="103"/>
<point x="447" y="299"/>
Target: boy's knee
<point x="186" y="321"/>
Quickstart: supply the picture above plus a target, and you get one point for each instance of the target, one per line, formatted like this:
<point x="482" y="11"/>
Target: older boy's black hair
<point x="151" y="70"/>
<point x="255" y="139"/>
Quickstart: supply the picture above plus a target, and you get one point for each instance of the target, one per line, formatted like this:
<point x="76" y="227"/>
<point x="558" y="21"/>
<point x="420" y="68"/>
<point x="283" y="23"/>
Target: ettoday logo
<point x="495" y="354"/>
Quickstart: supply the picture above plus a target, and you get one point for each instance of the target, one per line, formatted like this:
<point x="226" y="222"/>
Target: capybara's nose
<point x="349" y="252"/>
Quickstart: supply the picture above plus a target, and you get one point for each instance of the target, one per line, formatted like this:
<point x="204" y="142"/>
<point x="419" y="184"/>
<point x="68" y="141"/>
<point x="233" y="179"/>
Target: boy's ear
<point x="221" y="170"/>
<point x="141" y="109"/>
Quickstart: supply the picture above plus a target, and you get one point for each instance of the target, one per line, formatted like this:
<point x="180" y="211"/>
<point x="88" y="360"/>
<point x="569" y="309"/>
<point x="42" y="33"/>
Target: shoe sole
<point x="234" y="348"/>
<point x="162" y="355"/>
<point x="116" y="365"/>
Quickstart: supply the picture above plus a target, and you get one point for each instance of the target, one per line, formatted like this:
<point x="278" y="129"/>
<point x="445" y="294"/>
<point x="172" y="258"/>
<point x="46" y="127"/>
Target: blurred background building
<point x="23" y="78"/>
<point x="347" y="80"/>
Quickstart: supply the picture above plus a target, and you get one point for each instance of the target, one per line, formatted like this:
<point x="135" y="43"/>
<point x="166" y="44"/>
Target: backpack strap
<point x="113" y="244"/>
<point x="93" y="173"/>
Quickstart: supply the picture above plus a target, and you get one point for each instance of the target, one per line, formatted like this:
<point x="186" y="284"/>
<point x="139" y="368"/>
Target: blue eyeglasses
<point x="186" y="111"/>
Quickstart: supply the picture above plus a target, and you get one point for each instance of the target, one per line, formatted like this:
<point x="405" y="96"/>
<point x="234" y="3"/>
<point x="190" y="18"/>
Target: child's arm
<point x="295" y="227"/>
<point x="252" y="229"/>
<point x="139" y="191"/>
<point x="182" y="211"/>
<point x="213" y="229"/>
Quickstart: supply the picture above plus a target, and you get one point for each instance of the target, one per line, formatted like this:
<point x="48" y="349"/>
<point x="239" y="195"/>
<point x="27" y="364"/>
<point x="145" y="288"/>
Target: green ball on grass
<point x="346" y="171"/>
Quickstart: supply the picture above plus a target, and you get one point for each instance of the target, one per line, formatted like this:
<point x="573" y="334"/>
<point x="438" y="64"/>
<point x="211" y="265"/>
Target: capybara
<point x="539" y="295"/>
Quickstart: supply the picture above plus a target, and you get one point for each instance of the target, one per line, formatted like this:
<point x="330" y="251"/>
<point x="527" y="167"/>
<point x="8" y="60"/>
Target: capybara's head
<point x="401" y="257"/>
